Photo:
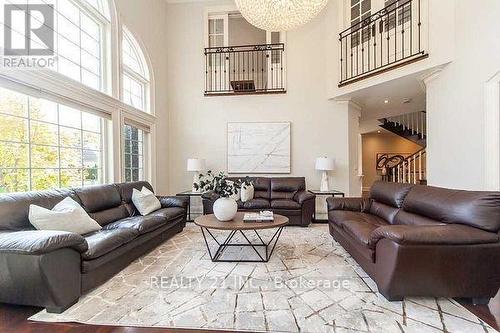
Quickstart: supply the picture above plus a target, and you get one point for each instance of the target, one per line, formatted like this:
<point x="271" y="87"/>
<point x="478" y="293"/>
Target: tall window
<point x="360" y="10"/>
<point x="47" y="145"/>
<point x="80" y="39"/>
<point x="133" y="153"/>
<point x="135" y="74"/>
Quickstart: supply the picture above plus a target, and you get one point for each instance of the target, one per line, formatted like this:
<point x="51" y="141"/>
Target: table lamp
<point x="196" y="165"/>
<point x="325" y="164"/>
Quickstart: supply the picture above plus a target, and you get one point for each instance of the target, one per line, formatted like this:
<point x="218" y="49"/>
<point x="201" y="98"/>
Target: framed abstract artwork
<point x="389" y="160"/>
<point x="258" y="147"/>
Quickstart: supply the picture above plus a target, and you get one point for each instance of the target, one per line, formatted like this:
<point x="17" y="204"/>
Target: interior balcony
<point x="246" y="69"/>
<point x="386" y="40"/>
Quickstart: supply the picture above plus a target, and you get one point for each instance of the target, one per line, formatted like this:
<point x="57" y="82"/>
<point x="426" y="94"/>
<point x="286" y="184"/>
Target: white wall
<point x="147" y="21"/>
<point x="198" y="123"/>
<point x="455" y="98"/>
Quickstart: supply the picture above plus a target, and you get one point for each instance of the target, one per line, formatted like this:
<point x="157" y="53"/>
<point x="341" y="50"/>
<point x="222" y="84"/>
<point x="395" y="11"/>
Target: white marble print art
<point x="258" y="147"/>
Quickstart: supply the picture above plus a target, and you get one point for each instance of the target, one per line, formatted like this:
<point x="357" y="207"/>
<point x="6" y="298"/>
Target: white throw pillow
<point x="145" y="201"/>
<point x="247" y="192"/>
<point x="67" y="215"/>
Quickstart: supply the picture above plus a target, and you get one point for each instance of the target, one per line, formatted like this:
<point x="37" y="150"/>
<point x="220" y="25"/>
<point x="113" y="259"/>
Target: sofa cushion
<point x="286" y="187"/>
<point x="340" y="217"/>
<point x="104" y="241"/>
<point x="14" y="207"/>
<point x="142" y="224"/>
<point x="169" y="213"/>
<point x="392" y="194"/>
<point x="477" y="209"/>
<point x="103" y="203"/>
<point x="384" y="211"/>
<point x="406" y="218"/>
<point x="360" y="231"/>
<point x="262" y="188"/>
<point x="285" y="204"/>
<point x="257" y="204"/>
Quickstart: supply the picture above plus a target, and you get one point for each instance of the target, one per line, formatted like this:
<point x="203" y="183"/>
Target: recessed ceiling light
<point x="386" y="101"/>
<point x="379" y="132"/>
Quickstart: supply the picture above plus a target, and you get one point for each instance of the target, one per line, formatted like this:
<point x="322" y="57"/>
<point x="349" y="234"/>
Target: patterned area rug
<point x="311" y="284"/>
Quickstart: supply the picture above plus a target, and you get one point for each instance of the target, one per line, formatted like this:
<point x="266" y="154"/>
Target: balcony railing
<point x="387" y="39"/>
<point x="248" y="69"/>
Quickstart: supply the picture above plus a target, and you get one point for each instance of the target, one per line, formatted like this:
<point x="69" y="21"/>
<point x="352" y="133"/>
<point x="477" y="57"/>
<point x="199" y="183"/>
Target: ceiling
<point x="403" y="95"/>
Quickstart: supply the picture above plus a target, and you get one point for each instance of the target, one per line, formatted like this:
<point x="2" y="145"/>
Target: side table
<point x="332" y="193"/>
<point x="189" y="194"/>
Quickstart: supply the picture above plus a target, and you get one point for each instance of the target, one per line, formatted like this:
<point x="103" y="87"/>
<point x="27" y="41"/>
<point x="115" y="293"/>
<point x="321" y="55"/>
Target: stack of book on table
<point x="262" y="216"/>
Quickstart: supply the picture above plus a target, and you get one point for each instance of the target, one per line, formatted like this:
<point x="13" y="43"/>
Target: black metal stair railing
<point x="387" y="39"/>
<point x="246" y="69"/>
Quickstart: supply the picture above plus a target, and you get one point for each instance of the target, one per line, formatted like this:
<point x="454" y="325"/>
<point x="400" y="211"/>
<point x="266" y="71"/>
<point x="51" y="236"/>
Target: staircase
<point x="412" y="169"/>
<point x="411" y="126"/>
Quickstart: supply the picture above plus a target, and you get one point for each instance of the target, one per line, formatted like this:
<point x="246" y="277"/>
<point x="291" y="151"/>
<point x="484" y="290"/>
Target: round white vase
<point x="225" y="209"/>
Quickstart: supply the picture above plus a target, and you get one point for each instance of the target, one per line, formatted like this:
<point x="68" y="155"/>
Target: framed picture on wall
<point x="258" y="147"/>
<point x="390" y="159"/>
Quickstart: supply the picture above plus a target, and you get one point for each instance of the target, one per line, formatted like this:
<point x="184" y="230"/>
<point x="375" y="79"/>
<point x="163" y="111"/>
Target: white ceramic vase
<point x="225" y="209"/>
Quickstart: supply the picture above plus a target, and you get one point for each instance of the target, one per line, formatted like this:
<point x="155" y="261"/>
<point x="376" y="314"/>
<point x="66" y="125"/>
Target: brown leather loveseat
<point x="422" y="240"/>
<point x="283" y="195"/>
<point x="53" y="269"/>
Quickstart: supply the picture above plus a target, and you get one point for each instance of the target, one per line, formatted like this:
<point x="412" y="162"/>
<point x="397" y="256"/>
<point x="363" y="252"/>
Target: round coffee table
<point x="235" y="226"/>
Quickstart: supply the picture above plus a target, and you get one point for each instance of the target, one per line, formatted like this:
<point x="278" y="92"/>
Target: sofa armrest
<point x="350" y="204"/>
<point x="303" y="196"/>
<point x="173" y="201"/>
<point x="210" y="196"/>
<point x="450" y="234"/>
<point x="40" y="241"/>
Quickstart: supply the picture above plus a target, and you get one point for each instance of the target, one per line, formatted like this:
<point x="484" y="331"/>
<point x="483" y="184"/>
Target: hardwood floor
<point x="14" y="319"/>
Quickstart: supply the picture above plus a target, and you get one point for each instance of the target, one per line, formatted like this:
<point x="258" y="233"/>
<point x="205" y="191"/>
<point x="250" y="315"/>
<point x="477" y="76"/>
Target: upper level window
<point x="80" y="28"/>
<point x="135" y="73"/>
<point x="360" y="10"/>
<point x="47" y="145"/>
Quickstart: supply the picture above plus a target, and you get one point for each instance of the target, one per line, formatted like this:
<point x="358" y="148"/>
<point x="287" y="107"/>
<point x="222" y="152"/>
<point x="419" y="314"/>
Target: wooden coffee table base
<point x="263" y="257"/>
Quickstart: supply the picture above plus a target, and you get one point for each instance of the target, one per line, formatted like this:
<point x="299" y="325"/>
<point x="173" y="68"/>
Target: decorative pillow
<point x="145" y="201"/>
<point x="67" y="215"/>
<point x="247" y="192"/>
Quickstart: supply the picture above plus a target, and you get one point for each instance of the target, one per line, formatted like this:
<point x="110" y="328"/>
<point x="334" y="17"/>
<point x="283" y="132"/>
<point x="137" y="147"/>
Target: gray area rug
<point x="311" y="284"/>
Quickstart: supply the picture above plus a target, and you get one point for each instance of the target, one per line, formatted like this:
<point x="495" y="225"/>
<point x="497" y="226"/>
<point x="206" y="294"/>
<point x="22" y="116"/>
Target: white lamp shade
<point x="325" y="164"/>
<point x="195" y="164"/>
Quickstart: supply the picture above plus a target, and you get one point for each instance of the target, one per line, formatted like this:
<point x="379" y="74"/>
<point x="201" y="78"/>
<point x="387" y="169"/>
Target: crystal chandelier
<point x="279" y="15"/>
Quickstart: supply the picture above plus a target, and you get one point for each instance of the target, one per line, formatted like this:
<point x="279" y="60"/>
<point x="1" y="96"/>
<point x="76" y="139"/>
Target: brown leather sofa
<point x="422" y="240"/>
<point x="283" y="195"/>
<point x="52" y="269"/>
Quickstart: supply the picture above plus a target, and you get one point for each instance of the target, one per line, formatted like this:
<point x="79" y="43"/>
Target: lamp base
<point x="196" y="180"/>
<point x="324" y="182"/>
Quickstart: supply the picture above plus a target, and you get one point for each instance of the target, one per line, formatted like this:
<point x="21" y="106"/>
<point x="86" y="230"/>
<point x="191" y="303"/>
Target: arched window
<point x="82" y="28"/>
<point x="135" y="73"/>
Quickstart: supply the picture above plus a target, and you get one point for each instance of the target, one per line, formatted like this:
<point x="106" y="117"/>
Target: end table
<point x="189" y="194"/>
<point x="333" y="193"/>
